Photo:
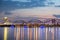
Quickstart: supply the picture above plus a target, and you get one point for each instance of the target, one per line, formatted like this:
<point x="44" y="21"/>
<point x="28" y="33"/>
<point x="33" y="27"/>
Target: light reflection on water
<point x="41" y="33"/>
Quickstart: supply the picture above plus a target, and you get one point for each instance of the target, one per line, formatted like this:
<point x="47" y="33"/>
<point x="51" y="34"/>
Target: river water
<point x="41" y="33"/>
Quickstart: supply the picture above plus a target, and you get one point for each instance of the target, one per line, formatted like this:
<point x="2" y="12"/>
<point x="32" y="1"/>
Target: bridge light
<point x="12" y="26"/>
<point x="42" y="26"/>
<point x="25" y="26"/>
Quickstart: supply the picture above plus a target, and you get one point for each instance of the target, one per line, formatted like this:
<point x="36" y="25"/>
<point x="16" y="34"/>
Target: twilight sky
<point x="30" y="8"/>
<point x="38" y="12"/>
<point x="57" y="2"/>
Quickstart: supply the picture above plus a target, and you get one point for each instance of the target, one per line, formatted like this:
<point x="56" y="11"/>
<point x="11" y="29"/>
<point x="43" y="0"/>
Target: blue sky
<point x="31" y="8"/>
<point x="22" y="0"/>
<point x="57" y="2"/>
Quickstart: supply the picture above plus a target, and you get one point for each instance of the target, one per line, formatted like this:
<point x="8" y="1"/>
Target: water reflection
<point x="53" y="33"/>
<point x="1" y="33"/>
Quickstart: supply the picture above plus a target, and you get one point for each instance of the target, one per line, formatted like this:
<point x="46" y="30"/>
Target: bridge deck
<point x="30" y="25"/>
